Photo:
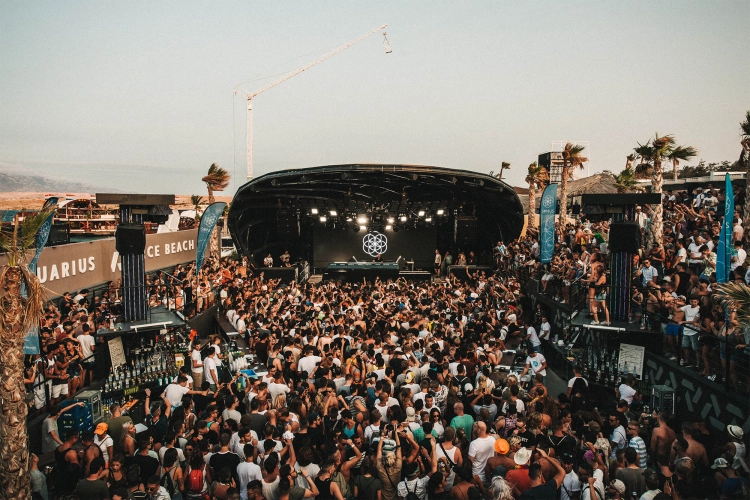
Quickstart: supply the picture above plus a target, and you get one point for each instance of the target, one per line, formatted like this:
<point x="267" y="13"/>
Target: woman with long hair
<point x="171" y="468"/>
<point x="127" y="440"/>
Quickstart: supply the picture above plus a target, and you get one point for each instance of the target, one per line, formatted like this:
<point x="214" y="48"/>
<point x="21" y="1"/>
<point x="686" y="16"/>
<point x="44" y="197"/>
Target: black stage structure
<point x="371" y="212"/>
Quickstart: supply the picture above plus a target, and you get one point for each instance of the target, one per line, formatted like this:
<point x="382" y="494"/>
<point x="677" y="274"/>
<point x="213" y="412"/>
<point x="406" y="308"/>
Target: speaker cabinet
<point x="59" y="234"/>
<point x="287" y="223"/>
<point x="130" y="239"/>
<point x="465" y="231"/>
<point x="624" y="237"/>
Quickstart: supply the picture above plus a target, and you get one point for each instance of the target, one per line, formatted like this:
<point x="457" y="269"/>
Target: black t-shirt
<point x="149" y="466"/>
<point x="562" y="445"/>
<point x="527" y="439"/>
<point x="258" y="423"/>
<point x="546" y="491"/>
<point x="225" y="459"/>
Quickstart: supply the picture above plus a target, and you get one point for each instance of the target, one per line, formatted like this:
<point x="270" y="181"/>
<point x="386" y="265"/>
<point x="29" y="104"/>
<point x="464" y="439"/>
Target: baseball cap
<point x="410" y="414"/>
<point x="618" y="485"/>
<point x="720" y="463"/>
<point x="101" y="428"/>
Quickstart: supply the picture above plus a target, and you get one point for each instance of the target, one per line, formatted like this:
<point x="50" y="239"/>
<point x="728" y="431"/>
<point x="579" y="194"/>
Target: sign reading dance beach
<point x="68" y="268"/>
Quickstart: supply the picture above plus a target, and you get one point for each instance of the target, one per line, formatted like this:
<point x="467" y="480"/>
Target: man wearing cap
<point x="104" y="442"/>
<point x="570" y="489"/>
<point x="735" y="447"/>
<point x="652" y="483"/>
<point x="731" y="485"/>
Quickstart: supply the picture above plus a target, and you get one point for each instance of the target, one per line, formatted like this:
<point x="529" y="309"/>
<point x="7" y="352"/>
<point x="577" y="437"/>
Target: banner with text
<point x="547" y="222"/>
<point x="726" y="245"/>
<point x="208" y="222"/>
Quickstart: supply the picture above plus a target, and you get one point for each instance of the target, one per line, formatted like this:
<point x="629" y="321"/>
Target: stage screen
<point x="337" y="245"/>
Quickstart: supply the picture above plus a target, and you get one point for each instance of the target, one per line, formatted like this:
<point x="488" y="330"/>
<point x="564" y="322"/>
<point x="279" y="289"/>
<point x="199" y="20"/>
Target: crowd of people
<point x="389" y="389"/>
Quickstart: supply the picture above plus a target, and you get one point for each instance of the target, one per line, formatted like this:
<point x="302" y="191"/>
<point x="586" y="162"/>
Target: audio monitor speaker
<point x="287" y="223"/>
<point x="624" y="237"/>
<point x="130" y="239"/>
<point x="59" y="234"/>
<point x="465" y="231"/>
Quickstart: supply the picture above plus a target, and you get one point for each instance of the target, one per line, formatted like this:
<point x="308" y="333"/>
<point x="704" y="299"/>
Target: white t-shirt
<point x="312" y="471"/>
<point x="87" y="342"/>
<point x="546" y="328"/>
<point x="536" y="364"/>
<point x="248" y="471"/>
<point x="217" y="350"/>
<point x="627" y="393"/>
<point x="570" y="484"/>
<point x="695" y="249"/>
<point x="163" y="451"/>
<point x="531" y="332"/>
<point x="174" y="393"/>
<point x="481" y="449"/>
<point x="210" y="366"/>
<point x="275" y="389"/>
<point x="307" y="364"/>
<point x="691" y="314"/>
<point x="196" y="356"/>
<point x="587" y="494"/>
<point x="103" y="445"/>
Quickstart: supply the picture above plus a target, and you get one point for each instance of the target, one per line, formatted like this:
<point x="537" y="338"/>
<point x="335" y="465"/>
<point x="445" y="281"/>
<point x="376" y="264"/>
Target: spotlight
<point x="333" y="213"/>
<point x="428" y="219"/>
<point x="391" y="220"/>
<point x="440" y="211"/>
<point x="420" y="213"/>
<point x="314" y="211"/>
<point x="403" y="218"/>
<point x="362" y="219"/>
<point x="323" y="218"/>
<point x="363" y="228"/>
<point x="388" y="227"/>
<point x="348" y="219"/>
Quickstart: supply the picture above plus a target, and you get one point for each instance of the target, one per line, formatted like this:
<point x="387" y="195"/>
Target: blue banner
<point x="208" y="222"/>
<point x="724" y="251"/>
<point x="31" y="341"/>
<point x="547" y="211"/>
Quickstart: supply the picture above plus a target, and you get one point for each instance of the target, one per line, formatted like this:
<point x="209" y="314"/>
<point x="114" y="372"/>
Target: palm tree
<point x="197" y="201"/>
<point x="629" y="161"/>
<point x="745" y="160"/>
<point x="679" y="154"/>
<point x="572" y="158"/>
<point x="538" y="177"/>
<point x="654" y="152"/>
<point x="503" y="166"/>
<point x="19" y="313"/>
<point x="217" y="179"/>
<point x="734" y="295"/>
<point x="625" y="181"/>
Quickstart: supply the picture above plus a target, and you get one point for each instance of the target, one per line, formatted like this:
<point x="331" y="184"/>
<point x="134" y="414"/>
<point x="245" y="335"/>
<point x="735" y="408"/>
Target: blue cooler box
<point x="77" y="418"/>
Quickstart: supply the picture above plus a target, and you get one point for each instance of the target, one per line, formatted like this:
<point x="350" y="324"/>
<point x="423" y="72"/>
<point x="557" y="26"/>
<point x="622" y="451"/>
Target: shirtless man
<point x="662" y="437"/>
<point x="696" y="451"/>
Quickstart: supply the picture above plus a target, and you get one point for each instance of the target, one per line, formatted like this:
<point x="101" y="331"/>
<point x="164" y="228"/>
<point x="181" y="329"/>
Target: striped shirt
<point x="639" y="445"/>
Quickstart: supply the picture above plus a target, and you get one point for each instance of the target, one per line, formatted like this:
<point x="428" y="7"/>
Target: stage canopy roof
<point x="273" y="210"/>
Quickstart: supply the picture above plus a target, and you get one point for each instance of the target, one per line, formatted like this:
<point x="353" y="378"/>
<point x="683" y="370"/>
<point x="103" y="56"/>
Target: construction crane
<point x="251" y="95"/>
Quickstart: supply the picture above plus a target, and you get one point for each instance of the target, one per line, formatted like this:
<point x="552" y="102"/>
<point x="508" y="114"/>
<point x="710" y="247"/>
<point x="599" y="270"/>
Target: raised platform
<point x="356" y="271"/>
<point x="285" y="274"/>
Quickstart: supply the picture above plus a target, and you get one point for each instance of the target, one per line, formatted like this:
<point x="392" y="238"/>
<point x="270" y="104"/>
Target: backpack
<point x="195" y="481"/>
<point x="411" y="495"/>
<point x="168" y="483"/>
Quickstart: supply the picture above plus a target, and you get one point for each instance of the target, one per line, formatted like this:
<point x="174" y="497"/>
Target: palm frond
<point x="734" y="295"/>
<point x="217" y="178"/>
<point x="745" y="126"/>
<point x="681" y="153"/>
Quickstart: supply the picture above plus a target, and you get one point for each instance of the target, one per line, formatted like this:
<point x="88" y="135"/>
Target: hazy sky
<point x="138" y="95"/>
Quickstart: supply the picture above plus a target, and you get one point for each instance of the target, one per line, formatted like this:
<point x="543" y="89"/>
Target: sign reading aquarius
<point x="374" y="244"/>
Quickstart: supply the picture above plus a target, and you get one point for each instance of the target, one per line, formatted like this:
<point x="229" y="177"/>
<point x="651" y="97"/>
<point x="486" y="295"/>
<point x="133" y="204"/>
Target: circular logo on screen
<point x="374" y="244"/>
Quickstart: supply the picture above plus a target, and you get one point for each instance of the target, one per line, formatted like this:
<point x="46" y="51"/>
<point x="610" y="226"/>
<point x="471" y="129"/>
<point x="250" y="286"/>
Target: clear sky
<point x="138" y="95"/>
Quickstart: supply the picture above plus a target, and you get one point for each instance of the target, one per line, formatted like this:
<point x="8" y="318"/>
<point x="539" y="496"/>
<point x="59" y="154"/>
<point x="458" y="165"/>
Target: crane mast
<point x="251" y="95"/>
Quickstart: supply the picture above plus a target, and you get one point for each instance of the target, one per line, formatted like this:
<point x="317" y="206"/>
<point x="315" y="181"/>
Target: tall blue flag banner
<point x="724" y="252"/>
<point x="31" y="341"/>
<point x="547" y="211"/>
<point x="208" y="222"/>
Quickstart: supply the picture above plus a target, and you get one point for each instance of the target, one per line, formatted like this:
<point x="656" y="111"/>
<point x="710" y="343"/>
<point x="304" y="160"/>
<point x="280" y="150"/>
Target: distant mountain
<point x="11" y="181"/>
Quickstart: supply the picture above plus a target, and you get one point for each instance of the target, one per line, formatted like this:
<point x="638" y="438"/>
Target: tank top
<point x="68" y="474"/>
<point x="349" y="432"/>
<point x="324" y="489"/>
<point x="739" y="452"/>
<point x="510" y="424"/>
<point x="114" y="484"/>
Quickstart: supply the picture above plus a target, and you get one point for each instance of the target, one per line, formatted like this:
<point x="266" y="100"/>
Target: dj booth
<point x="356" y="271"/>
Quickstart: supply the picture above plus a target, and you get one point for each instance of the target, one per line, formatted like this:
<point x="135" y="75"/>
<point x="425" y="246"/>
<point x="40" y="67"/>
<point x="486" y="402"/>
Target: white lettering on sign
<point x="152" y="251"/>
<point x="116" y="261"/>
<point x="66" y="269"/>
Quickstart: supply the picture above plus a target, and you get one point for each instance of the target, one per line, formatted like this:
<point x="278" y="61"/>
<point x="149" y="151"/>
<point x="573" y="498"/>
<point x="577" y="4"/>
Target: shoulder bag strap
<point x="446" y="455"/>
